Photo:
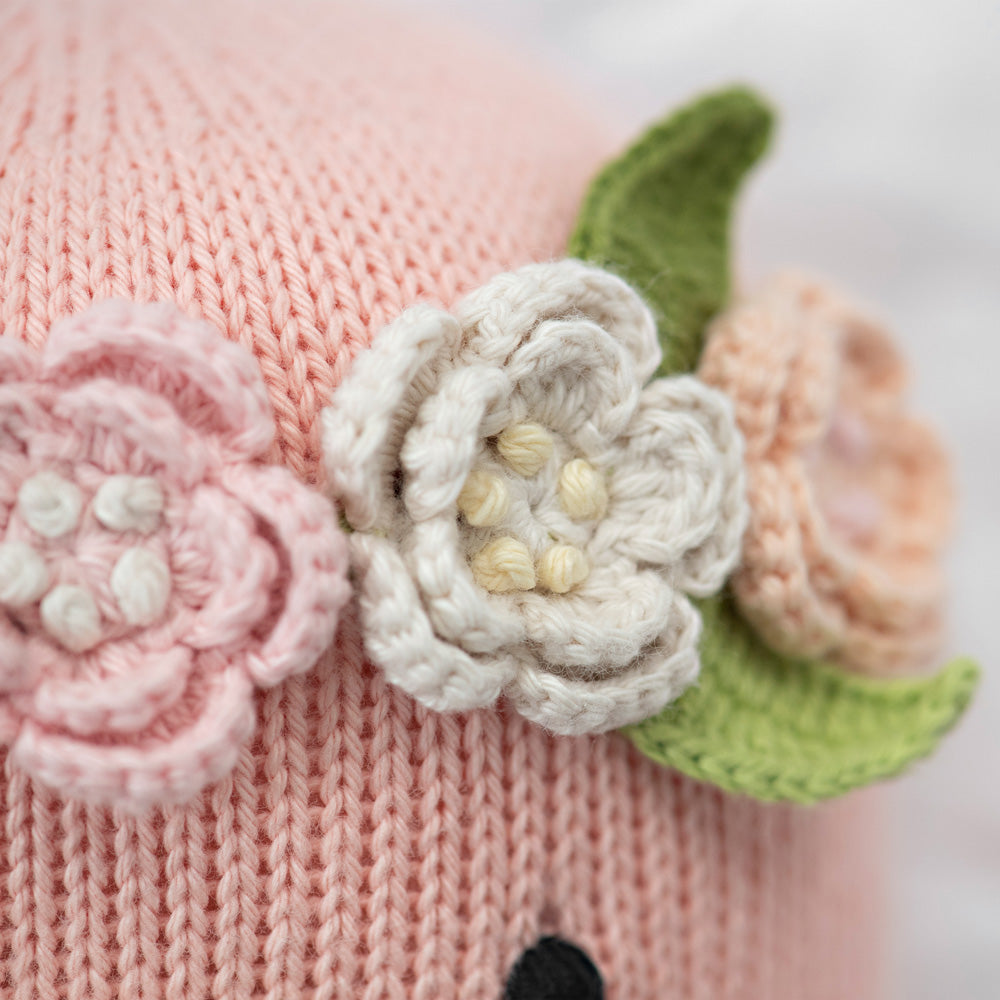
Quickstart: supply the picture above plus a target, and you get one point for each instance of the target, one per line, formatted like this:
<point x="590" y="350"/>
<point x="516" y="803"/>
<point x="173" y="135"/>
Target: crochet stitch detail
<point x="850" y="497"/>
<point x="575" y="612"/>
<point x="152" y="570"/>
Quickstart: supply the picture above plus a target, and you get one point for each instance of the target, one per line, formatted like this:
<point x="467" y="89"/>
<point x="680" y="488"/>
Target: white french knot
<point x="141" y="584"/>
<point x="23" y="574"/>
<point x="71" y="616"/>
<point x="50" y="504"/>
<point x="129" y="503"/>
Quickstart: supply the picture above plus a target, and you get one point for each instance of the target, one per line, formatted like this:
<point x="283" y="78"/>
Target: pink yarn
<point x="850" y="496"/>
<point x="248" y="567"/>
<point x="296" y="173"/>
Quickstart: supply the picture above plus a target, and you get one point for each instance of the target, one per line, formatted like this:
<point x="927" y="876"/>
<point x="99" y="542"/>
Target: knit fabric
<point x="297" y="174"/>
<point x="554" y="969"/>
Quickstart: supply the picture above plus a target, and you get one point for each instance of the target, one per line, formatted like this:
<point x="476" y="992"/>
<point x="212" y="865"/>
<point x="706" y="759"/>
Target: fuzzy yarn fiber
<point x="297" y="174"/>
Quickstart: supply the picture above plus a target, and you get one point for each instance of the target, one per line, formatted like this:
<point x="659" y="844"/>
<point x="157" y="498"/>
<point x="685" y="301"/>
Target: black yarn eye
<point x="554" y="970"/>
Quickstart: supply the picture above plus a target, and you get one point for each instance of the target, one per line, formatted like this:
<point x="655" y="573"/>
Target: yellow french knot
<point x="504" y="565"/>
<point x="485" y="499"/>
<point x="525" y="447"/>
<point x="582" y="491"/>
<point x="561" y="568"/>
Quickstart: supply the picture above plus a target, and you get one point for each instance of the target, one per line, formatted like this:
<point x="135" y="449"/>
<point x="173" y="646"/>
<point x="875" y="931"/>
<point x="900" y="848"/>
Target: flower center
<point x="40" y="588"/>
<point x="535" y="495"/>
<point x="841" y="478"/>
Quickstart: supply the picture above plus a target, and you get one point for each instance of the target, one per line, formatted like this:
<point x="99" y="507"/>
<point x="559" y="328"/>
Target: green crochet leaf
<point x="780" y="729"/>
<point x="659" y="214"/>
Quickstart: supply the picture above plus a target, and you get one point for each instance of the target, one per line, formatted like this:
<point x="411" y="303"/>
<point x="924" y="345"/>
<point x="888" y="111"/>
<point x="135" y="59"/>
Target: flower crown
<point x="596" y="493"/>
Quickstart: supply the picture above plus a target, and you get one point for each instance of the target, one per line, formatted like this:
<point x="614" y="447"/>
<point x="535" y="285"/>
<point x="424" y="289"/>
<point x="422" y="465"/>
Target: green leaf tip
<point x="658" y="215"/>
<point x="779" y="729"/>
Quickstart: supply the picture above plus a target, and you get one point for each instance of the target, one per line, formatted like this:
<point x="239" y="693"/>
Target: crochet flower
<point x="152" y="569"/>
<point x="527" y="518"/>
<point x="849" y="495"/>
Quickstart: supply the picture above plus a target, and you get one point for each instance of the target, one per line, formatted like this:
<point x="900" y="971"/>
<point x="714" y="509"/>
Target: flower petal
<point x="574" y="706"/>
<point x="399" y="637"/>
<point x="459" y="609"/>
<point x="604" y="624"/>
<point x="314" y="557"/>
<point x="372" y="409"/>
<point x="512" y="310"/>
<point x="779" y="370"/>
<point x="119" y="703"/>
<point x="438" y="451"/>
<point x="575" y="378"/>
<point x="126" y="428"/>
<point x="677" y="494"/>
<point x="215" y="386"/>
<point x="135" y="777"/>
<point x="23" y="413"/>
<point x="223" y="569"/>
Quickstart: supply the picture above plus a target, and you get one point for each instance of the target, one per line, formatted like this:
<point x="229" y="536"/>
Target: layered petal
<point x="313" y="557"/>
<point x="137" y="775"/>
<point x="215" y="386"/>
<point x="459" y="609"/>
<point x="573" y="706"/>
<point x="577" y="379"/>
<point x="438" y="452"/>
<point x="124" y="428"/>
<point x="374" y="407"/>
<point x="677" y="496"/>
<point x="514" y="308"/>
<point x="400" y="638"/>
<point x="603" y="625"/>
<point x="115" y="702"/>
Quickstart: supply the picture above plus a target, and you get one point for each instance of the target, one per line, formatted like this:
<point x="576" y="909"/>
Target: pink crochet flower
<point x="849" y="496"/>
<point x="152" y="569"/>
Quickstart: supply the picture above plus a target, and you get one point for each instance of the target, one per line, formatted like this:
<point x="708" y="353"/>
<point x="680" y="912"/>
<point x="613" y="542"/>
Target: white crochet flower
<point x="528" y="519"/>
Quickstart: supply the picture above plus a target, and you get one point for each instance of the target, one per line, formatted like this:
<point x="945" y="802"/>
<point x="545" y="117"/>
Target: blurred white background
<point x="886" y="176"/>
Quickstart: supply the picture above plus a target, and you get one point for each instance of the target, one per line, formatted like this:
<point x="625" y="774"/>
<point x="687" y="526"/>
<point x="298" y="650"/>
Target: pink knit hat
<point x="290" y="178"/>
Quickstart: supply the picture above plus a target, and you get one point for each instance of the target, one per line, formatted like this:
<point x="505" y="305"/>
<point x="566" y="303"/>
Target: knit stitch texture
<point x="297" y="174"/>
<point x="554" y="969"/>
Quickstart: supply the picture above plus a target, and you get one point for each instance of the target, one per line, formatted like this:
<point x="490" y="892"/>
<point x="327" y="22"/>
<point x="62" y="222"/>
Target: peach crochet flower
<point x="152" y="570"/>
<point x="849" y="496"/>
